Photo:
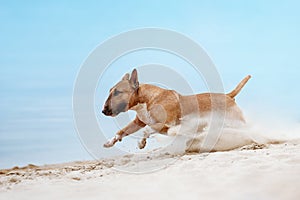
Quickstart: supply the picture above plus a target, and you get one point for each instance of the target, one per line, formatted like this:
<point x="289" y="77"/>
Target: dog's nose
<point x="106" y="111"/>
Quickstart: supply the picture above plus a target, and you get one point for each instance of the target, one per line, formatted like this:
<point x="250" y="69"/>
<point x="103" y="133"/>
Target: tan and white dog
<point x="162" y="109"/>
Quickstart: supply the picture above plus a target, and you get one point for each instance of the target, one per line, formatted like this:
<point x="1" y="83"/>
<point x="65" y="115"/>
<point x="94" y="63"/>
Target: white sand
<point x="269" y="173"/>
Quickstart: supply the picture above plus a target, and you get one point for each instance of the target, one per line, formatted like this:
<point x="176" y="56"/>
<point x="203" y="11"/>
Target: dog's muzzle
<point x="106" y="111"/>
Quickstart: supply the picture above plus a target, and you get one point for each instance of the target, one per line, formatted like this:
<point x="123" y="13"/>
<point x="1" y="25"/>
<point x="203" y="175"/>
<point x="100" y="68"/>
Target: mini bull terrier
<point x="162" y="109"/>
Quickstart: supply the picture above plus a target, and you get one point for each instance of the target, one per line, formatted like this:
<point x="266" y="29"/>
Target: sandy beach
<point x="271" y="172"/>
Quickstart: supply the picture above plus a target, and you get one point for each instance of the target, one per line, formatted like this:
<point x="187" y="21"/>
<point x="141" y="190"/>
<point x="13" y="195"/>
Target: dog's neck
<point x="142" y="95"/>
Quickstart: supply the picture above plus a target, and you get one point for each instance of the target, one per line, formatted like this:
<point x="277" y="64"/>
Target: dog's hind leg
<point x="193" y="145"/>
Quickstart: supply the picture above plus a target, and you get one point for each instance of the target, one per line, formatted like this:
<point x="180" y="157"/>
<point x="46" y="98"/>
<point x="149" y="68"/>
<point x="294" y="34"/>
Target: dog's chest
<point x="143" y="114"/>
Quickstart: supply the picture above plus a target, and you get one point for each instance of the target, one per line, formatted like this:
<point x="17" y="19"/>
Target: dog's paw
<point x="108" y="144"/>
<point x="113" y="141"/>
<point x="142" y="143"/>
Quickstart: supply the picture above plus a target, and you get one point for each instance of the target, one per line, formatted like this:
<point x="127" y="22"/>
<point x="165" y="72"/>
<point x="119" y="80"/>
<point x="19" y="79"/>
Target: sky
<point x="43" y="44"/>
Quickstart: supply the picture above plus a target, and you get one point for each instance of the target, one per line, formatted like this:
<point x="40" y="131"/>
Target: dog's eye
<point x="117" y="92"/>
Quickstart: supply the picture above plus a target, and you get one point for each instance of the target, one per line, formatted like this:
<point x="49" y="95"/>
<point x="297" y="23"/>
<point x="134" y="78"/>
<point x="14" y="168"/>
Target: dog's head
<point x="121" y="95"/>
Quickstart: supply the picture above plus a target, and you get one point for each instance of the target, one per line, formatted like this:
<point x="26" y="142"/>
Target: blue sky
<point x="43" y="45"/>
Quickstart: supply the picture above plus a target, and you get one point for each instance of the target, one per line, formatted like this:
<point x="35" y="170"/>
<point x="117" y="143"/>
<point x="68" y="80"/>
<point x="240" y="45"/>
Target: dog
<point x="165" y="110"/>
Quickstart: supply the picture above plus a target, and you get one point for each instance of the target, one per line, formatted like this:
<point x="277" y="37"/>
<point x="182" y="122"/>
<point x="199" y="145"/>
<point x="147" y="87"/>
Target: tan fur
<point x="163" y="109"/>
<point x="238" y="88"/>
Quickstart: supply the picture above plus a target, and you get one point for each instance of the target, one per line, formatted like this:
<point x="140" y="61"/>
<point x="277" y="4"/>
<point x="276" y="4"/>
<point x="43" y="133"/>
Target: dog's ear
<point x="134" y="79"/>
<point x="125" y="77"/>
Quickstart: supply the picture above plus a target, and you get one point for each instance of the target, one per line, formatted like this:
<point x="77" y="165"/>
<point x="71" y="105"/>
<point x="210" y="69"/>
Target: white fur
<point x="189" y="125"/>
<point x="143" y="114"/>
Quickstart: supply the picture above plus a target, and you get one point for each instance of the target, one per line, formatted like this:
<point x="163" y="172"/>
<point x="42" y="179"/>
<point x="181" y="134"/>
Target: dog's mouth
<point x="113" y="114"/>
<point x="110" y="112"/>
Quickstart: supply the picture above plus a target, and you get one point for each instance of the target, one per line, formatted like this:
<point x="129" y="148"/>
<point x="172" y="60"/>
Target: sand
<point x="250" y="172"/>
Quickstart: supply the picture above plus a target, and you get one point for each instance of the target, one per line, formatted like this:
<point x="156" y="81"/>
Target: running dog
<point x="163" y="110"/>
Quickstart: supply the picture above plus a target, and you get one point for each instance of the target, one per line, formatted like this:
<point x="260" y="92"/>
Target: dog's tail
<point x="238" y="88"/>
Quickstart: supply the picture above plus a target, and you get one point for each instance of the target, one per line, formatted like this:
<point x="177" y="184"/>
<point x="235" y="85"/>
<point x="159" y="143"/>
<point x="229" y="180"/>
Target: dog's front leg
<point x="143" y="141"/>
<point x="132" y="127"/>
